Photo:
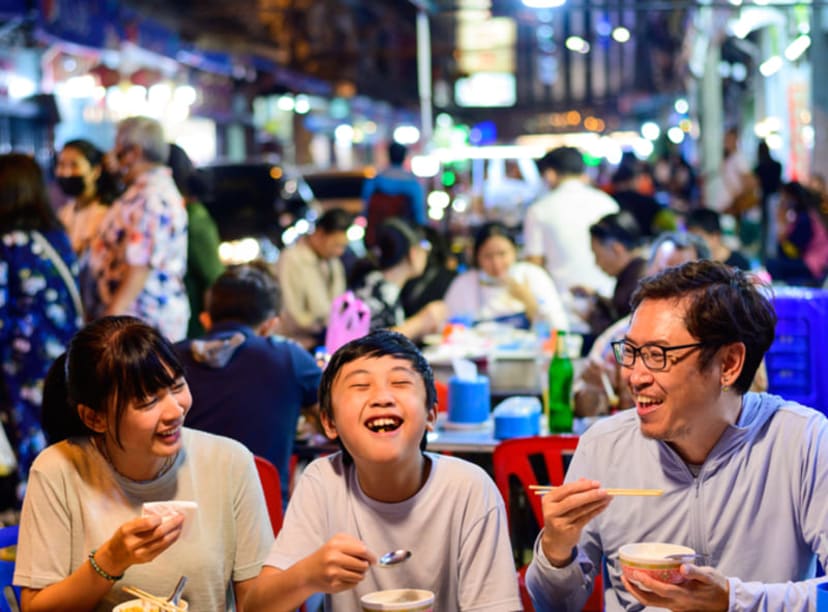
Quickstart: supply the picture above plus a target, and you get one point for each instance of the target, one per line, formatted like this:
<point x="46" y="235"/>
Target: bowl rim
<point x="424" y="594"/>
<point x="136" y="601"/>
<point x="653" y="562"/>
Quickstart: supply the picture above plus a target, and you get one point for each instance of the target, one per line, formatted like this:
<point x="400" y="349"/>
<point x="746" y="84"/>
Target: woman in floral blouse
<point x="39" y="309"/>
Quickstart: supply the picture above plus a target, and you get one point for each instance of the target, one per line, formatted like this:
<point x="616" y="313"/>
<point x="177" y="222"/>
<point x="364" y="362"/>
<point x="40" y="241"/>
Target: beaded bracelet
<point x="101" y="571"/>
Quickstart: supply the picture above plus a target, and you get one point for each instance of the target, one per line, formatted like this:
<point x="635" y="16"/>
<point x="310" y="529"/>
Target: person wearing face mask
<point x="82" y="176"/>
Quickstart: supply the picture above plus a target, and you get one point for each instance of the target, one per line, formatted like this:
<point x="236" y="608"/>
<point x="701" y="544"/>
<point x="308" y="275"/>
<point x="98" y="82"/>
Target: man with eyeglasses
<point x="744" y="475"/>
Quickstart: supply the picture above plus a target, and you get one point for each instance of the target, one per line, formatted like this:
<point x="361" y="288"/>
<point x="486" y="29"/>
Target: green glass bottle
<point x="560" y="388"/>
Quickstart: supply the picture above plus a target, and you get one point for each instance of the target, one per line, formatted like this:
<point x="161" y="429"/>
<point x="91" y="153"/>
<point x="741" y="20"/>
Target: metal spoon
<point x="179" y="588"/>
<point x="394" y="557"/>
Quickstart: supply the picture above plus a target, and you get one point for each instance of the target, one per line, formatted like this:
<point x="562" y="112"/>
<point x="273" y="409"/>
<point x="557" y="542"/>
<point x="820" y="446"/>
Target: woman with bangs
<point x="114" y="406"/>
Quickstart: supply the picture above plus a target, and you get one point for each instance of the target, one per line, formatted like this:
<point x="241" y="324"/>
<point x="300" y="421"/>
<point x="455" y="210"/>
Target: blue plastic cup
<point x="822" y="597"/>
<point x="469" y="401"/>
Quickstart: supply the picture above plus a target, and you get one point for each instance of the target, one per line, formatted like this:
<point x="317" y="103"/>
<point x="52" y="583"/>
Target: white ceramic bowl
<point x="139" y="605"/>
<point x="652" y="559"/>
<point x="399" y="600"/>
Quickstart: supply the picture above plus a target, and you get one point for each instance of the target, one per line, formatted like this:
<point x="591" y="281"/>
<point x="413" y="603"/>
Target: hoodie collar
<point x="217" y="348"/>
<point x="757" y="410"/>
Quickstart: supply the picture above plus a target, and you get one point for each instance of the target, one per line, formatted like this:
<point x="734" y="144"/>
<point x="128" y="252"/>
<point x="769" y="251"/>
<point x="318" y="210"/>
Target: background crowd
<point x="133" y="241"/>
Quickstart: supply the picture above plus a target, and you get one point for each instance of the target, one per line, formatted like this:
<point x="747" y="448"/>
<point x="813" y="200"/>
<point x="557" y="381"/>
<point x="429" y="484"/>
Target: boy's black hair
<point x="380" y="343"/>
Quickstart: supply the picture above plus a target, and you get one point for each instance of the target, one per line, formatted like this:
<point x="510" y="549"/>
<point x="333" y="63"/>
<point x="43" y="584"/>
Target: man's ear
<point x="733" y="360"/>
<point x="206" y="320"/>
<point x="94" y="421"/>
<point x="269" y="326"/>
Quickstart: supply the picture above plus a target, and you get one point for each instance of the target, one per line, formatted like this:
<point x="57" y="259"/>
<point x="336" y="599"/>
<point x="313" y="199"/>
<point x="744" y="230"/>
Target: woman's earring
<point x="725" y="387"/>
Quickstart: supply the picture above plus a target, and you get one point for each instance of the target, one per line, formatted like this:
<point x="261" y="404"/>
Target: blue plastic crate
<point x="796" y="370"/>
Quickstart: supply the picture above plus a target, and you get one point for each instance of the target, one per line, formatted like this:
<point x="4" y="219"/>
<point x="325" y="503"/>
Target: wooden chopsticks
<point x="162" y="603"/>
<point x="544" y="489"/>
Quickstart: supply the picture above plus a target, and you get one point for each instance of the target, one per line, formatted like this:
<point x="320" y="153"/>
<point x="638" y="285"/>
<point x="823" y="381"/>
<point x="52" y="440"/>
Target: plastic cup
<point x="399" y="600"/>
<point x="822" y="597"/>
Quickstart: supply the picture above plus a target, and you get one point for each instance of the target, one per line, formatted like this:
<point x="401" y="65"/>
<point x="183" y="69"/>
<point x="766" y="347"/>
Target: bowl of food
<point x="399" y="600"/>
<point x="144" y="605"/>
<point x="657" y="560"/>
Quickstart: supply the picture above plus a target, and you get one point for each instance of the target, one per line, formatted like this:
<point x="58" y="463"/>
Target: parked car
<point x="255" y="199"/>
<point x="255" y="204"/>
<point x="342" y="188"/>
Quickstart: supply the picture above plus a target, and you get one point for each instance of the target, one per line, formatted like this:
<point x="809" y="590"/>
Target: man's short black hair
<point x="618" y="227"/>
<point x="247" y="294"/>
<point x="566" y="161"/>
<point x="397" y="153"/>
<point x="334" y="220"/>
<point x="725" y="305"/>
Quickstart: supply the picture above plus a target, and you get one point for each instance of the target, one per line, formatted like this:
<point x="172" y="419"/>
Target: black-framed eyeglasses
<point x="653" y="355"/>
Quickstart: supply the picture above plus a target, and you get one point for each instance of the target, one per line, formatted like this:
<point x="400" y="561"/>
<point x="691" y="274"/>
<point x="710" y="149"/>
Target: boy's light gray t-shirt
<point x="455" y="527"/>
<point x="75" y="502"/>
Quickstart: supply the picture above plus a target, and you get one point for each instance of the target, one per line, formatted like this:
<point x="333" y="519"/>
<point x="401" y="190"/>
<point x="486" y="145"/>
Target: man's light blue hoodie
<point x="758" y="508"/>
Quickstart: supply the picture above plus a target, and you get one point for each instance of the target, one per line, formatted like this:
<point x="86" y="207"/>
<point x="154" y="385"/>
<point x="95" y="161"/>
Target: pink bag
<point x="816" y="253"/>
<point x="350" y="319"/>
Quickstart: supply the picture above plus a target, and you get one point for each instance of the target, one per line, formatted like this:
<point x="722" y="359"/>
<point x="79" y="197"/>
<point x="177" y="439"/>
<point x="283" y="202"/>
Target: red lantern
<point x="106" y="76"/>
<point x="146" y="77"/>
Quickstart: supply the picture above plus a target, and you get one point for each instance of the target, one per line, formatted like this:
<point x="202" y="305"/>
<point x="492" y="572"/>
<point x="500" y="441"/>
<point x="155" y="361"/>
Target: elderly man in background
<point x="744" y="475"/>
<point x="139" y="258"/>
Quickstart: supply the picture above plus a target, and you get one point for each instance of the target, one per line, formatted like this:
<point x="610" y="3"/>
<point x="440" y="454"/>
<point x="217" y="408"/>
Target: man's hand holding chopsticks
<point x="566" y="510"/>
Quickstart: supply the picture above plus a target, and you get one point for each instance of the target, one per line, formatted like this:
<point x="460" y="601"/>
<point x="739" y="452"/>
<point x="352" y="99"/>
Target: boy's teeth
<point x="383" y="424"/>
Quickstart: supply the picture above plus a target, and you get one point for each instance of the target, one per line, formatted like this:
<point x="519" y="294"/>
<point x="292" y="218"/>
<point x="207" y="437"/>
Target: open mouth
<point x="170" y="432"/>
<point x="383" y="424"/>
<point x="647" y="405"/>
